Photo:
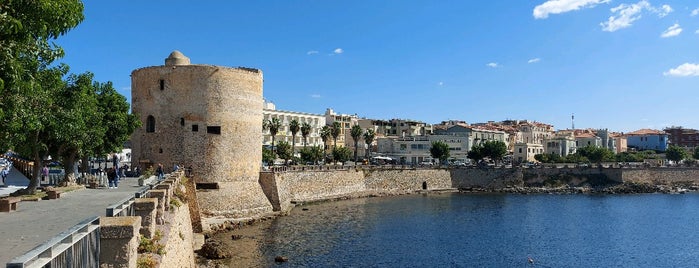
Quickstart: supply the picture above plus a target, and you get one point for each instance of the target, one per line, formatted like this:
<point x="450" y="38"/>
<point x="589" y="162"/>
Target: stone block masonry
<point x="207" y="119"/>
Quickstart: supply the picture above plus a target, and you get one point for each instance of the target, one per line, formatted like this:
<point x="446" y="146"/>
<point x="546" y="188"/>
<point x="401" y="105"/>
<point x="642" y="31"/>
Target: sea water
<point x="488" y="230"/>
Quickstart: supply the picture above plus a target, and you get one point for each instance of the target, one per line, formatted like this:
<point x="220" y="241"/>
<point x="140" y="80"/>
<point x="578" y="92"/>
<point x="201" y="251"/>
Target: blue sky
<point x="621" y="65"/>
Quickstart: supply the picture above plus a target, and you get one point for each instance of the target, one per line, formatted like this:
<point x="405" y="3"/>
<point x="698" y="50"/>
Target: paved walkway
<point x="35" y="222"/>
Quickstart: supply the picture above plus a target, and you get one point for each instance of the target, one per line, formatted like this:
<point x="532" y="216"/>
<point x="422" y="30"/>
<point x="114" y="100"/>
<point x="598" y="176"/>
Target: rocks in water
<point x="281" y="259"/>
<point x="214" y="249"/>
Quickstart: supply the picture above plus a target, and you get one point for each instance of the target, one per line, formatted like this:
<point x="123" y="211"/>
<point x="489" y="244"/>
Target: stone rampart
<point x="661" y="175"/>
<point x="284" y="188"/>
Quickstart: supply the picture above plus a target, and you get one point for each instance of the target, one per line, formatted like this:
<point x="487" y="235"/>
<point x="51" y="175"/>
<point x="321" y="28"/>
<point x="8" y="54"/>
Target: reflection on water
<point x="480" y="230"/>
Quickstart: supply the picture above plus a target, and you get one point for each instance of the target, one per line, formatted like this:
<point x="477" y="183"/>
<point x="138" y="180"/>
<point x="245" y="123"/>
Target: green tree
<point x="26" y="29"/>
<point x="312" y="154"/>
<point x="325" y="136"/>
<point x="284" y="151"/>
<point x="335" y="130"/>
<point x="294" y="127"/>
<point x="341" y="154"/>
<point x="273" y="125"/>
<point x="305" y="131"/>
<point x="476" y="153"/>
<point x="268" y="156"/>
<point x="440" y="150"/>
<point x="356" y="133"/>
<point x="596" y="154"/>
<point x="117" y="122"/>
<point x="369" y="136"/>
<point x="675" y="153"/>
<point x="494" y="149"/>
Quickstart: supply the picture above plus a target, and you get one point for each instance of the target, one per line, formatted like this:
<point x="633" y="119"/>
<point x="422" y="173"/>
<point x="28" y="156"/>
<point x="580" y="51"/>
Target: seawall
<point x="285" y="188"/>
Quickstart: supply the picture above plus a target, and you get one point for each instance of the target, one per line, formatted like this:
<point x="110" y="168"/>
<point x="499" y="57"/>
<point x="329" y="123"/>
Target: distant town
<point x="409" y="141"/>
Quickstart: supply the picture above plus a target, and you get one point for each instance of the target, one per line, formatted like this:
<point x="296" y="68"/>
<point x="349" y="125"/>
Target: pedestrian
<point x="113" y="180"/>
<point x="160" y="172"/>
<point x="44" y="173"/>
<point x="5" y="172"/>
<point x="115" y="164"/>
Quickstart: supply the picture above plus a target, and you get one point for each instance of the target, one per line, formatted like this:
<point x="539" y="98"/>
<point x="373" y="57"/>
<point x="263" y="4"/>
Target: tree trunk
<point x="355" y="152"/>
<point x="69" y="168"/>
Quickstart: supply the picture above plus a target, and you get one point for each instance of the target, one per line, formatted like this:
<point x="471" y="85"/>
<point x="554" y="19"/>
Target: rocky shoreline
<point x="622" y="188"/>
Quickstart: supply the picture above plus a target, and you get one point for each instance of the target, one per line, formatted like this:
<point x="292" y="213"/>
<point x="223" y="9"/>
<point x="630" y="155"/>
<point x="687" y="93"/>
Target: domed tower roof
<point x="176" y="58"/>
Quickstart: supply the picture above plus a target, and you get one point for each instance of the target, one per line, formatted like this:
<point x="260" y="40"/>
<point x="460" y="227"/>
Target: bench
<point x="9" y="204"/>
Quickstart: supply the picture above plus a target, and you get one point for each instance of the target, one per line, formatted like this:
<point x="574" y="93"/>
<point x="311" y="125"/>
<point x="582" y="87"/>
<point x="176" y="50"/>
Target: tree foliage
<point x="335" y="130"/>
<point x="284" y="151"/>
<point x="440" y="150"/>
<point x="369" y="136"/>
<point x="294" y="127"/>
<point x="596" y="154"/>
<point x="341" y="154"/>
<point x="268" y="156"/>
<point x="675" y="153"/>
<point x="273" y="125"/>
<point x="312" y="154"/>
<point x="356" y="132"/>
<point x="305" y="131"/>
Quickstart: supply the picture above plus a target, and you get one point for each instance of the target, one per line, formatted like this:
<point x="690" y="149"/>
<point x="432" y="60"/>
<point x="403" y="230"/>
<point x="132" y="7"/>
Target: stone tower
<point x="207" y="118"/>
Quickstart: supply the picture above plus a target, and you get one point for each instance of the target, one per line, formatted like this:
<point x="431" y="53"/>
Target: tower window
<point x="195" y="128"/>
<point x="150" y="124"/>
<point x="162" y="84"/>
<point x="213" y="130"/>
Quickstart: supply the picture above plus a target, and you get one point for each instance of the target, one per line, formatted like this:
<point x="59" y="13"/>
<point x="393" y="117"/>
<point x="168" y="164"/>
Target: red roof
<point x="646" y="131"/>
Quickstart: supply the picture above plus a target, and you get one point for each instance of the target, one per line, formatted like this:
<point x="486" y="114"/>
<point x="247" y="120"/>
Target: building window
<point x="181" y="121"/>
<point x="213" y="130"/>
<point x="162" y="84"/>
<point x="160" y="150"/>
<point x="150" y="124"/>
<point x="195" y="128"/>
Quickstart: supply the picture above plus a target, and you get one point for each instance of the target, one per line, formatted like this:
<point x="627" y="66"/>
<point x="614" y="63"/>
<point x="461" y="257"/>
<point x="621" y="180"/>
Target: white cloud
<point x="686" y="69"/>
<point x="493" y="65"/>
<point x="561" y="6"/>
<point x="695" y="12"/>
<point x="624" y="16"/>
<point x="440" y="83"/>
<point x="696" y="32"/>
<point x="534" y="60"/>
<point x="663" y="10"/>
<point x="338" y="51"/>
<point x="674" y="30"/>
<point x="315" y="96"/>
<point x="312" y="52"/>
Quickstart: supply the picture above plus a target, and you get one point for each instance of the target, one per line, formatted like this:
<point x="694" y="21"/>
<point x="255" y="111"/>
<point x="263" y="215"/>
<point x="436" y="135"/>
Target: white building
<point x="316" y="121"/>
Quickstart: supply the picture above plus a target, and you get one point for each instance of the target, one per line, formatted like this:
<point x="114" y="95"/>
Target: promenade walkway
<point x="35" y="222"/>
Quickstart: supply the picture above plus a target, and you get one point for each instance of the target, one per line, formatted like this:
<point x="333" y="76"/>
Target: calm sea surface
<point x="489" y="230"/>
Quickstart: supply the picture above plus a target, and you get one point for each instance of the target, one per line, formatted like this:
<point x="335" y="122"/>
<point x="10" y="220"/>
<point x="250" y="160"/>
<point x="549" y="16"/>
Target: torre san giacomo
<point x="208" y="119"/>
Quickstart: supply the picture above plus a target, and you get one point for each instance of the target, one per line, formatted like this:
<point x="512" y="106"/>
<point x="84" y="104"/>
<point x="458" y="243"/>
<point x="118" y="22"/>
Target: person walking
<point x="44" y="173"/>
<point x="113" y="179"/>
<point x="159" y="172"/>
<point x="115" y="164"/>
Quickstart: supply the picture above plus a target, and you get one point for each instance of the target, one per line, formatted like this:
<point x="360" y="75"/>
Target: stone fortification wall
<point x="661" y="175"/>
<point x="406" y="180"/>
<point x="179" y="241"/>
<point x="539" y="177"/>
<point x="319" y="185"/>
<point x="485" y="178"/>
<point x="208" y="119"/>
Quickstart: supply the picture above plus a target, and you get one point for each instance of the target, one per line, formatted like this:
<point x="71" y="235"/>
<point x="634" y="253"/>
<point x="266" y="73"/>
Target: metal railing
<point x="78" y="246"/>
<point x="125" y="207"/>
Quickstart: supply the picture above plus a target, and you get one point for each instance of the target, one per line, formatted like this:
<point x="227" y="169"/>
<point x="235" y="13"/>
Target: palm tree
<point x="335" y="130"/>
<point x="273" y="125"/>
<point x="294" y="128"/>
<point x="305" y="131"/>
<point x="325" y="135"/>
<point x="356" y="133"/>
<point x="369" y="136"/>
